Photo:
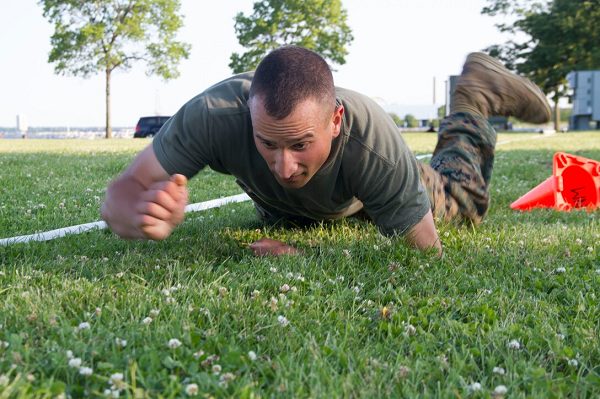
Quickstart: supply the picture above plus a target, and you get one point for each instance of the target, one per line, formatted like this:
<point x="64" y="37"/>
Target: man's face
<point x="297" y="146"/>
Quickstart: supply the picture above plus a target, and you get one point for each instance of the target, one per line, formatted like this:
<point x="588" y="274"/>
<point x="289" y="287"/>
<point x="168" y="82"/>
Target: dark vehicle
<point x="148" y="126"/>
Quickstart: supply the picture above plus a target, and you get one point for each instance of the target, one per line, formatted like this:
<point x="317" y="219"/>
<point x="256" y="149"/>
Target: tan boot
<point x="487" y="88"/>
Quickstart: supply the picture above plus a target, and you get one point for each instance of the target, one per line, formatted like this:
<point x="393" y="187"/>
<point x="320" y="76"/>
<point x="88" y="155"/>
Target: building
<point x="586" y="100"/>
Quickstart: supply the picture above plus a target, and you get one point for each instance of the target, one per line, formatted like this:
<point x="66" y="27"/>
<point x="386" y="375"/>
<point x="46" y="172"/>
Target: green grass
<point x="447" y="322"/>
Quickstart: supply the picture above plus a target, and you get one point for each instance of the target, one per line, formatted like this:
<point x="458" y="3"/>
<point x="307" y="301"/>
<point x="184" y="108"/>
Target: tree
<point x="318" y="25"/>
<point x="101" y="36"/>
<point x="562" y="36"/>
<point x="411" y="121"/>
<point x="397" y="120"/>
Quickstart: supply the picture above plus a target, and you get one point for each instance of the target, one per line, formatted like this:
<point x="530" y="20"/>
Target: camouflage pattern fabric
<point x="458" y="176"/>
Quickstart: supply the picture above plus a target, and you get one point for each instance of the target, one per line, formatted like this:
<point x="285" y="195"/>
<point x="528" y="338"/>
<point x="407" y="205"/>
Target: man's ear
<point x="337" y="119"/>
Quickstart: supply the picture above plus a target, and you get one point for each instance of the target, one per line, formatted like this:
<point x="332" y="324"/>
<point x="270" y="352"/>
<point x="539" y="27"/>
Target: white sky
<point x="399" y="47"/>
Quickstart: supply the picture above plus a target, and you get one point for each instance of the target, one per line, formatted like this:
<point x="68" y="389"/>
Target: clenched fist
<point x="134" y="211"/>
<point x="161" y="207"/>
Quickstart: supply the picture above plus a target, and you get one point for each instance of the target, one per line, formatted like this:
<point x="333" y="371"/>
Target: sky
<point x="399" y="47"/>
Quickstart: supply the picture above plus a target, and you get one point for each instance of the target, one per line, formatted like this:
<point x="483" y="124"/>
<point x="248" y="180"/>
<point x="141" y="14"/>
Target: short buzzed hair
<point x="290" y="75"/>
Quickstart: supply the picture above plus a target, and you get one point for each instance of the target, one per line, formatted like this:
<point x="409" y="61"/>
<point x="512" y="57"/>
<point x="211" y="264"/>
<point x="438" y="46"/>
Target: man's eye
<point x="268" y="144"/>
<point x="300" y="146"/>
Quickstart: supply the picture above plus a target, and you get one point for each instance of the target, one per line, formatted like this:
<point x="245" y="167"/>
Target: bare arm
<point x="145" y="202"/>
<point x="424" y="235"/>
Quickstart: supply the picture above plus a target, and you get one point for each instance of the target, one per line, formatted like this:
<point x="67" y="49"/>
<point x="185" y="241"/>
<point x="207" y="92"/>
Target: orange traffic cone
<point x="575" y="183"/>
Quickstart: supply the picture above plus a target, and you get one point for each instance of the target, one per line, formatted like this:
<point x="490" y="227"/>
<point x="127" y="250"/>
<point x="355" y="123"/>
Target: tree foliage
<point x="410" y="120"/>
<point x="93" y="36"/>
<point x="318" y="25"/>
<point x="397" y="120"/>
<point x="559" y="36"/>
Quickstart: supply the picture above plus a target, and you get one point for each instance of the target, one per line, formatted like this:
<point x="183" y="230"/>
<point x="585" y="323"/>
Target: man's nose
<point x="285" y="164"/>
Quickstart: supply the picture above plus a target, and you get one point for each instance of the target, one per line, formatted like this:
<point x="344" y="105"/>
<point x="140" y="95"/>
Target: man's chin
<point x="295" y="183"/>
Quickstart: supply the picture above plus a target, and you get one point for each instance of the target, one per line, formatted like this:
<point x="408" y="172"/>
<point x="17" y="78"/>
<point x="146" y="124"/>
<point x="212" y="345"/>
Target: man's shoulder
<point x="371" y="132"/>
<point x="229" y="95"/>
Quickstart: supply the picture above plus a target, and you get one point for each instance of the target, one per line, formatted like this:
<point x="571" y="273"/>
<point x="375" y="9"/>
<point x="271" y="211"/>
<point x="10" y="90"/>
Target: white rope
<point x="200" y="206"/>
<point x="82" y="228"/>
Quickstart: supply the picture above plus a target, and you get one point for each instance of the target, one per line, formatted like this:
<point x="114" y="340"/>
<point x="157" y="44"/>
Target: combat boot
<point x="487" y="88"/>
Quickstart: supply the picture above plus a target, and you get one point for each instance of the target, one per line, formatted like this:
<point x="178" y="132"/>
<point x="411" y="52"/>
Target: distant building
<point x="585" y="98"/>
<point x="22" y="126"/>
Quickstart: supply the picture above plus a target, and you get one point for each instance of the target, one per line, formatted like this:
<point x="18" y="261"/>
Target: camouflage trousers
<point x="458" y="176"/>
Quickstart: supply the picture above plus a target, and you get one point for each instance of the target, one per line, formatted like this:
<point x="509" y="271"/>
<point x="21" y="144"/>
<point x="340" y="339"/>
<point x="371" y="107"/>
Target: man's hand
<point x="145" y="202"/>
<point x="161" y="208"/>
<point x="133" y="211"/>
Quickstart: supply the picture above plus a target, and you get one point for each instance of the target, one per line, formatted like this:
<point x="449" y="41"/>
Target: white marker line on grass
<point x="200" y="206"/>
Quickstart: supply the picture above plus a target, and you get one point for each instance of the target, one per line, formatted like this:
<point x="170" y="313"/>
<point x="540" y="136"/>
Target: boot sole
<point x="495" y="65"/>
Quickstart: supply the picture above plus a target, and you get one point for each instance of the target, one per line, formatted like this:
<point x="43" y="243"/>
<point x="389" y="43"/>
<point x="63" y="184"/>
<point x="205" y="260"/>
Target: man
<point x="304" y="150"/>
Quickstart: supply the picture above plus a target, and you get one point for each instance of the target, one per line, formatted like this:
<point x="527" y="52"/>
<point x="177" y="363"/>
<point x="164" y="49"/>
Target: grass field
<point x="511" y="310"/>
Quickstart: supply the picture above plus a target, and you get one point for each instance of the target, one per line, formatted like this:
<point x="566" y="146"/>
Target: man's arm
<point x="424" y="235"/>
<point x="145" y="202"/>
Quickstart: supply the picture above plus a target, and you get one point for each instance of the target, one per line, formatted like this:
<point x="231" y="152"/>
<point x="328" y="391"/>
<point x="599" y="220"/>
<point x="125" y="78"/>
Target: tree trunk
<point x="556" y="115"/>
<point x="108" y="126"/>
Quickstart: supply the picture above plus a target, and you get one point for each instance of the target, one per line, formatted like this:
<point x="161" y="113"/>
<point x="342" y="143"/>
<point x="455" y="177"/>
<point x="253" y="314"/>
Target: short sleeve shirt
<point x="369" y="161"/>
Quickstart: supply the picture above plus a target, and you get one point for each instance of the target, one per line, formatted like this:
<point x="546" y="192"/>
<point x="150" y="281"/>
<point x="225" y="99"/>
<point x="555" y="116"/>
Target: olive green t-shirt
<point x="369" y="161"/>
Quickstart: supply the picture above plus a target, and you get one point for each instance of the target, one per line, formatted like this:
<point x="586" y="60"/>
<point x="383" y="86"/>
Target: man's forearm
<point x="424" y="235"/>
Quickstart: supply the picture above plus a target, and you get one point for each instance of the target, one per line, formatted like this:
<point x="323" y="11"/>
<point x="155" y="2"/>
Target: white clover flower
<point x="409" y="329"/>
<point x="560" y="336"/>
<point x="191" y="389"/>
<point x="282" y="320"/>
<point x="121" y="342"/>
<point x="474" y="387"/>
<point x="216" y="369"/>
<point x="75" y="363"/>
<point x="255" y="294"/>
<point x="86" y="371"/>
<point x="573" y="362"/>
<point x="69" y="354"/>
<point x="346" y="253"/>
<point x="273" y="270"/>
<point x="590" y="249"/>
<point x="284" y="288"/>
<point x="174" y="343"/>
<point x="4" y="380"/>
<point x="579" y="241"/>
<point x="500" y="390"/>
<point x="252" y="355"/>
<point x="83" y="326"/>
<point x="356" y="289"/>
<point x="147" y="320"/>
<point x="498" y="370"/>
<point x="226" y="378"/>
<point x="514" y="344"/>
<point x="166" y="292"/>
<point x="289" y="275"/>
<point x="115" y="378"/>
<point x="222" y="291"/>
<point x="154" y="312"/>
<point x="559" y="270"/>
<point x="198" y="355"/>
